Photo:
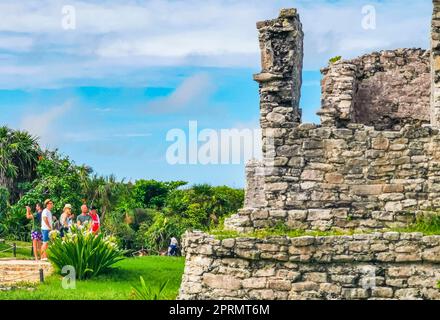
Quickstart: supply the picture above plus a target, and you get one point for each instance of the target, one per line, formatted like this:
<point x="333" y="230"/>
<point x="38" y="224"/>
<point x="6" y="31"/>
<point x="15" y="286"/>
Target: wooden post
<point x="41" y="275"/>
<point x="14" y="249"/>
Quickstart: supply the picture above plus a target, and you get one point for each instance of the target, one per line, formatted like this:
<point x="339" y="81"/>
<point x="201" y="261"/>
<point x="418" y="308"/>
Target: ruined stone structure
<point x="372" y="164"/>
<point x="375" y="266"/>
<point x="14" y="272"/>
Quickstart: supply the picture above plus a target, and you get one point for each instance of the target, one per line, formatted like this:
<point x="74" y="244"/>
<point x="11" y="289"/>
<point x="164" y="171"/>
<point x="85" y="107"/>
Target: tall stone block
<point x="435" y="65"/>
<point x="281" y="43"/>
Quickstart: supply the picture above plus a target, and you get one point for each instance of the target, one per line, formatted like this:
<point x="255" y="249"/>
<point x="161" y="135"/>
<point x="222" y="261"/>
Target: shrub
<point x="157" y="236"/>
<point x="146" y="293"/>
<point x="4" y="204"/>
<point x="335" y="59"/>
<point x="89" y="254"/>
<point x="427" y="224"/>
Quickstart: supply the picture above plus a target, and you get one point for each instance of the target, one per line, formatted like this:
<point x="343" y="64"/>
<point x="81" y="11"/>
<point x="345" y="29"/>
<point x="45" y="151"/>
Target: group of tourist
<point x="44" y="222"/>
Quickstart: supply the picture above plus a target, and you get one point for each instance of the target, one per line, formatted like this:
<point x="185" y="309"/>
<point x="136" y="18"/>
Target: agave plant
<point x="89" y="254"/>
<point x="147" y="293"/>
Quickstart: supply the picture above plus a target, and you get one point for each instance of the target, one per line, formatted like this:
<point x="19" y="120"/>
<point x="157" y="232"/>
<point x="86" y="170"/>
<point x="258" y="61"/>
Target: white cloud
<point x="17" y="44"/>
<point x="192" y="93"/>
<point x="113" y="37"/>
<point x="46" y="124"/>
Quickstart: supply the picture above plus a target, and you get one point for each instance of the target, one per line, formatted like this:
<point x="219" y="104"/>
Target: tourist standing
<point x="96" y="223"/>
<point x="65" y="220"/>
<point x="172" y="249"/>
<point x="84" y="217"/>
<point x="46" y="227"/>
<point x="36" y="235"/>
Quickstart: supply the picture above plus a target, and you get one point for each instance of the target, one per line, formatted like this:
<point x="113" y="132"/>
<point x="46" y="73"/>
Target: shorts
<point x="45" y="234"/>
<point x="36" y="235"/>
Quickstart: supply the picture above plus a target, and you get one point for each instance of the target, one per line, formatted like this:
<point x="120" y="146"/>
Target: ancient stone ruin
<point x="373" y="164"/>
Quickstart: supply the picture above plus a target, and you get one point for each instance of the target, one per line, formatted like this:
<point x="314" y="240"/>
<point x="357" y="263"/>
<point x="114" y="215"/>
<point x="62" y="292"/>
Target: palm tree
<point x="19" y="152"/>
<point x="106" y="190"/>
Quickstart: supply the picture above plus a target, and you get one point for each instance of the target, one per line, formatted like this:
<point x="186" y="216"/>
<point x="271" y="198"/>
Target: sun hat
<point x="47" y="201"/>
<point x="69" y="206"/>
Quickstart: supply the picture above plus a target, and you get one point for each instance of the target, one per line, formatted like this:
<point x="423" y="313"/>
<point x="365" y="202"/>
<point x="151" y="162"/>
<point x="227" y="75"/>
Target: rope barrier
<point x="14" y="248"/>
<point x="24" y="247"/>
<point x="28" y="277"/>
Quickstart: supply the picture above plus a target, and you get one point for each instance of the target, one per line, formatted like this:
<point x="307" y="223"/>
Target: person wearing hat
<point x="65" y="219"/>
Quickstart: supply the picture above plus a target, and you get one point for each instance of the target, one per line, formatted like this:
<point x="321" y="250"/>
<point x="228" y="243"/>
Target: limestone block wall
<point x="254" y="191"/>
<point x="386" y="89"/>
<point x="281" y="44"/>
<point x="18" y="271"/>
<point x="349" y="178"/>
<point x="435" y="64"/>
<point x="375" y="266"/>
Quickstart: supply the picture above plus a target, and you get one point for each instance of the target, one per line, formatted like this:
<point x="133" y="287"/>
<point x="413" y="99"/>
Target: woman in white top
<point x="46" y="227"/>
<point x="65" y="219"/>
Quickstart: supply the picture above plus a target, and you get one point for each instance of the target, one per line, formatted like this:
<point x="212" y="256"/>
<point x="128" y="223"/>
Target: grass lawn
<point x="22" y="253"/>
<point x="115" y="285"/>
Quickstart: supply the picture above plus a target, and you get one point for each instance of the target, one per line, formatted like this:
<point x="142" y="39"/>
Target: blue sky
<point x="107" y="92"/>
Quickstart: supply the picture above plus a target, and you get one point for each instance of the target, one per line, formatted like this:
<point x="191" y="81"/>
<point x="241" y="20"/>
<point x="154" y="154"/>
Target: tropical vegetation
<point x="115" y="285"/>
<point x="89" y="254"/>
<point x="141" y="215"/>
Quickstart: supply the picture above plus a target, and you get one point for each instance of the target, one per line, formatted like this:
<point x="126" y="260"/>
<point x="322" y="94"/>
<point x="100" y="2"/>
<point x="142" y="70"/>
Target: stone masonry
<point x="14" y="272"/>
<point x="435" y="64"/>
<point x="376" y="266"/>
<point x="373" y="164"/>
<point x="385" y="90"/>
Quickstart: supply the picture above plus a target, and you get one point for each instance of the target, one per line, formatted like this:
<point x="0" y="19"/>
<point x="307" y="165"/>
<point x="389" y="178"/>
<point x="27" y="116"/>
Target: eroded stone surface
<point x="364" y="266"/>
<point x="373" y="164"/>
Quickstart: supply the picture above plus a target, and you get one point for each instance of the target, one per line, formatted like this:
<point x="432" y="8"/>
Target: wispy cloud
<point x="115" y="38"/>
<point x="192" y="93"/>
<point x="46" y="124"/>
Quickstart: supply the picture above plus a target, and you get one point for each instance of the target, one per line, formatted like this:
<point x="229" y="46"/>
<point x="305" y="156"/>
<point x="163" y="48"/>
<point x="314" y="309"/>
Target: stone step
<point x="16" y="271"/>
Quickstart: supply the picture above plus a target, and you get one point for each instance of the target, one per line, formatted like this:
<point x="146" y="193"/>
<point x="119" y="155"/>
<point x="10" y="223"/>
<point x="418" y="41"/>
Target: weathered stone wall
<point x="351" y="178"/>
<point x="342" y="174"/>
<point x="435" y="64"/>
<point x="13" y="272"/>
<point x="386" y="89"/>
<point x="254" y="195"/>
<point x="375" y="266"/>
<point x="373" y="163"/>
<point x="281" y="44"/>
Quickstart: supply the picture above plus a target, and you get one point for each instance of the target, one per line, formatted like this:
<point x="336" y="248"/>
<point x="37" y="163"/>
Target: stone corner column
<point x="281" y="44"/>
<point x="435" y="65"/>
<point x="338" y="87"/>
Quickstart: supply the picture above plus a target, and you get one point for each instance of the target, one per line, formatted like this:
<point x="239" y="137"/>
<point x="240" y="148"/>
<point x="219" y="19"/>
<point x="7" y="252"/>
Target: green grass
<point x="280" y="230"/>
<point x="116" y="285"/>
<point x="428" y="225"/>
<point x="22" y="253"/>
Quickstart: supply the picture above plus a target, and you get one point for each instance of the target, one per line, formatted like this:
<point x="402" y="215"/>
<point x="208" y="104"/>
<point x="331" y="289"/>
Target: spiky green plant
<point x="147" y="293"/>
<point x="89" y="254"/>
